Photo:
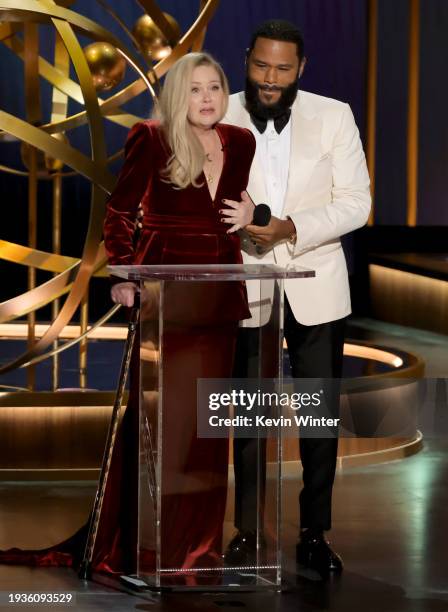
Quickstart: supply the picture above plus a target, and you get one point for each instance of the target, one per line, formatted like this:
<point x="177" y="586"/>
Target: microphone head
<point x="262" y="215"/>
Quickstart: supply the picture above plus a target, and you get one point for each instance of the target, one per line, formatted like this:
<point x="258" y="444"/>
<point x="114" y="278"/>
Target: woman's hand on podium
<point x="239" y="214"/>
<point x="123" y="293"/>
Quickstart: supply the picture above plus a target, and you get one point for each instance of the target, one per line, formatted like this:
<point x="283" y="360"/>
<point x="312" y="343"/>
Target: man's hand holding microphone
<point x="264" y="229"/>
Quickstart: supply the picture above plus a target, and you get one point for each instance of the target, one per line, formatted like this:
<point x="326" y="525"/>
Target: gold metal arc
<point x="45" y="293"/>
<point x="57" y="149"/>
<point x="137" y="87"/>
<point x="74" y="341"/>
<point x="42" y="260"/>
<point x="67" y="86"/>
<point x="73" y="275"/>
<point x="46" y="11"/>
<point x="90" y="251"/>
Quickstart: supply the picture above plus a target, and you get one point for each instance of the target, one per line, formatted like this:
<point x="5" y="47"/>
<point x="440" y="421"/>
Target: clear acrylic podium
<point x="186" y="507"/>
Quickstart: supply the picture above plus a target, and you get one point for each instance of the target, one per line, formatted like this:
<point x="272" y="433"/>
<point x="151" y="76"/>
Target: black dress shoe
<point x="242" y="550"/>
<point x="314" y="552"/>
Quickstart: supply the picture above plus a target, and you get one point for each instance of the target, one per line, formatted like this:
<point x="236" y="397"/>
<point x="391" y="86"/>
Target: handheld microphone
<point x="262" y="215"/>
<point x="261" y="218"/>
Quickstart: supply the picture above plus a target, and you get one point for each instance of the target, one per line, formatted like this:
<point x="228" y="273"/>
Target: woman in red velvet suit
<point x="189" y="173"/>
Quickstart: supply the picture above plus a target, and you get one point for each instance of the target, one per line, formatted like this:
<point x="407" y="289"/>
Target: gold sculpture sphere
<point x="106" y="65"/>
<point x="150" y="38"/>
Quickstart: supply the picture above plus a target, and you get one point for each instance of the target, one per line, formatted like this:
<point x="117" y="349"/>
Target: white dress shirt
<point x="272" y="153"/>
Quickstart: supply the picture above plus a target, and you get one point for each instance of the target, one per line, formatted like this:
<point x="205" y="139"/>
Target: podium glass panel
<point x="187" y="508"/>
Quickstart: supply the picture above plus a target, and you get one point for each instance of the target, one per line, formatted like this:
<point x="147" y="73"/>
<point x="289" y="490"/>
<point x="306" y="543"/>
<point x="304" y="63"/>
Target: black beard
<point x="269" y="111"/>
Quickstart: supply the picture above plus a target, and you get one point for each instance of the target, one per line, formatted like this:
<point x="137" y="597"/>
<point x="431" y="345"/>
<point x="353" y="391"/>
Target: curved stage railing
<point x="60" y="435"/>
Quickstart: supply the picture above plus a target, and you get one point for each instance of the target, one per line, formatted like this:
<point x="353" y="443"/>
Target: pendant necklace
<point x="209" y="177"/>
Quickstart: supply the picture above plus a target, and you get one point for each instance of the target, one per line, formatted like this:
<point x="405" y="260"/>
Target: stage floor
<point x="389" y="526"/>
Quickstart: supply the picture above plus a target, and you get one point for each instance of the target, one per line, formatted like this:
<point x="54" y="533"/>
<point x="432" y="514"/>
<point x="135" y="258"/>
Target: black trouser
<point x="249" y="454"/>
<point x="315" y="351"/>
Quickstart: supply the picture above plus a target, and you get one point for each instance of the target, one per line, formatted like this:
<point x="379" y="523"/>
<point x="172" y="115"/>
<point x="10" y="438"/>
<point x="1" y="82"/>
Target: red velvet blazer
<point x="180" y="226"/>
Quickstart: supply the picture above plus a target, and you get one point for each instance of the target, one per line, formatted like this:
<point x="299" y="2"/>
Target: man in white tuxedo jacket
<point x="310" y="168"/>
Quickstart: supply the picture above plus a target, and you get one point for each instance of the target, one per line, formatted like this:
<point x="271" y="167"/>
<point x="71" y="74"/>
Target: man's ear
<point x="302" y="67"/>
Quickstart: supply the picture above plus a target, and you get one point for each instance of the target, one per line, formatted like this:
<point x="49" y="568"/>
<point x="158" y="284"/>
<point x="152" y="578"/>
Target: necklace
<point x="208" y="176"/>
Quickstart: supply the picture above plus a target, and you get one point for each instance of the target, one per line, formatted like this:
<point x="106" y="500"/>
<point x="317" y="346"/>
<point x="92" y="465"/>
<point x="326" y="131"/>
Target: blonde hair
<point x="187" y="159"/>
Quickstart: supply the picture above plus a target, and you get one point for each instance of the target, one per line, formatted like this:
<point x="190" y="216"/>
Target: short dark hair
<point x="279" y="29"/>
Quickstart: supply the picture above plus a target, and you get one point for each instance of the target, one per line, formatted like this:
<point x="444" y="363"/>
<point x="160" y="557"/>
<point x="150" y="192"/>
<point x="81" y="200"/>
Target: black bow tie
<point x="279" y="122"/>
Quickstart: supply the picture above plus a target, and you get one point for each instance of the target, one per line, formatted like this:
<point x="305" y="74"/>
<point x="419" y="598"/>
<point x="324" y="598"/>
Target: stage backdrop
<point x="392" y="108"/>
<point x="335" y="34"/>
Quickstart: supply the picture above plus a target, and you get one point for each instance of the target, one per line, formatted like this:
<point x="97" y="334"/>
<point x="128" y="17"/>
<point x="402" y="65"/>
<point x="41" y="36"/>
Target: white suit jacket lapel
<point x="306" y="150"/>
